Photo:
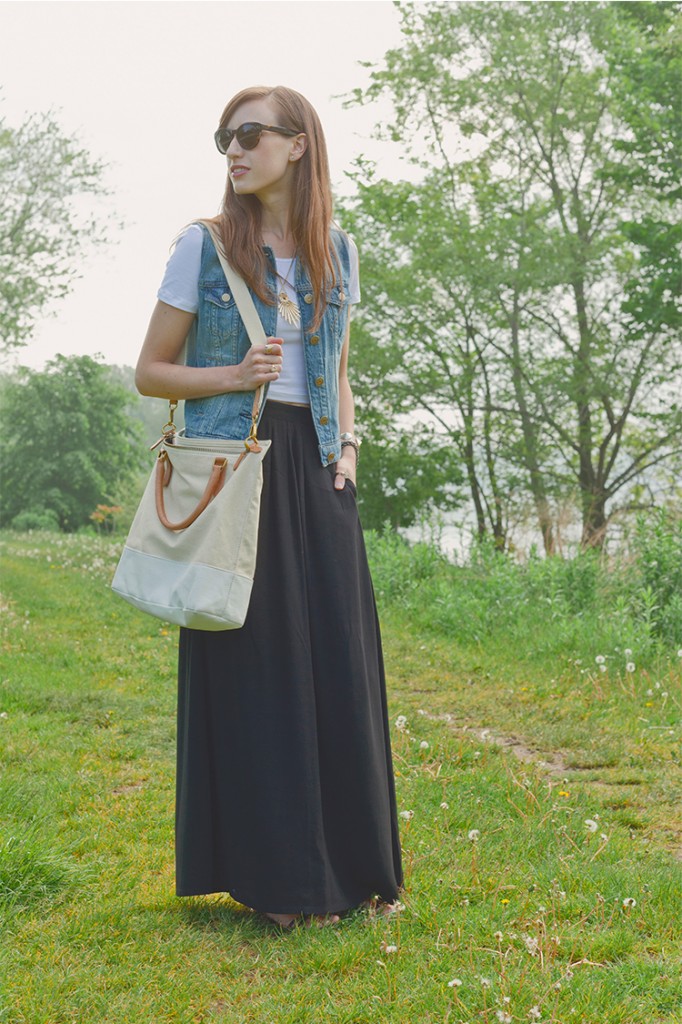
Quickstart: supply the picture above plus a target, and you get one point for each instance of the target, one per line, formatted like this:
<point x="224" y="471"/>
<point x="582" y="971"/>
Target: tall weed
<point x="575" y="607"/>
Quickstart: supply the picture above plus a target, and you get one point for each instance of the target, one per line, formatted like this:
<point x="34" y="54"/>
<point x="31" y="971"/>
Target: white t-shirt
<point x="180" y="288"/>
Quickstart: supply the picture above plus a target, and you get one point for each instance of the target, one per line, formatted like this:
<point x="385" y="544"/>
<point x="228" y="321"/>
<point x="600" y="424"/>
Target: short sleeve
<point x="354" y="283"/>
<point x="180" y="285"/>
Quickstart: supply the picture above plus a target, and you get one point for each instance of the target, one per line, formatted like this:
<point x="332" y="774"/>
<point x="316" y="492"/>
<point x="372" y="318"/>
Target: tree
<point x="514" y="293"/>
<point x="69" y="443"/>
<point x="44" y="225"/>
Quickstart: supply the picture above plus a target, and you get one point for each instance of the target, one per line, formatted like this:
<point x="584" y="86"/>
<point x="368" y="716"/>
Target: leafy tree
<point x="69" y="443"/>
<point x="515" y="291"/>
<point x="44" y="224"/>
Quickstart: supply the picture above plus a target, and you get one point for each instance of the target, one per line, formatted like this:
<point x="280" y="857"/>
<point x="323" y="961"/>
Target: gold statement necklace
<point x="286" y="307"/>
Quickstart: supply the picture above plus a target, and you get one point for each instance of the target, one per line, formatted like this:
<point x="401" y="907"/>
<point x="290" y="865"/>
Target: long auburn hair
<point x="311" y="214"/>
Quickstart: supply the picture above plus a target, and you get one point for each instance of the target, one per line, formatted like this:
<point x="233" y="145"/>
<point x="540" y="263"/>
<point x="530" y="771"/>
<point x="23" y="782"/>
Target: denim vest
<point x="218" y="338"/>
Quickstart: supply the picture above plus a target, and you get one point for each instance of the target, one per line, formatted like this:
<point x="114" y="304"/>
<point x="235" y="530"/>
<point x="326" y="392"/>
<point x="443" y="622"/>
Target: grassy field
<point x="537" y="754"/>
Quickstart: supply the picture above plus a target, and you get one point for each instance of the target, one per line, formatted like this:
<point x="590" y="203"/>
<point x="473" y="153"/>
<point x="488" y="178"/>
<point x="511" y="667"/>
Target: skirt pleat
<point x="285" y="792"/>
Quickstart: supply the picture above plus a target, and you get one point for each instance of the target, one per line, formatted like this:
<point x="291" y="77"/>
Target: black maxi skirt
<point x="285" y="791"/>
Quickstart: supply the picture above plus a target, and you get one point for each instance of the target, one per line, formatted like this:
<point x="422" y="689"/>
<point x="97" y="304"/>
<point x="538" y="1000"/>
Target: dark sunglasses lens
<point x="223" y="138"/>
<point x="248" y="135"/>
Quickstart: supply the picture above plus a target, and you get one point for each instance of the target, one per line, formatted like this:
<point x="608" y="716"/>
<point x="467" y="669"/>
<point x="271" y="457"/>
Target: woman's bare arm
<point x="158" y="374"/>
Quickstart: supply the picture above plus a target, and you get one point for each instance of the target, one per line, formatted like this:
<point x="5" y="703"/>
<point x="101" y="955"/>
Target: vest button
<point x="308" y="298"/>
<point x="315" y="340"/>
<point x="324" y="420"/>
<point x="331" y="457"/>
<point x="225" y="297"/>
<point x="319" y="381"/>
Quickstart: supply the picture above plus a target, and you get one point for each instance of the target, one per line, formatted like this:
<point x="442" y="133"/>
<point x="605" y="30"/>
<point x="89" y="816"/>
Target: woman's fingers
<point x="263" y="363"/>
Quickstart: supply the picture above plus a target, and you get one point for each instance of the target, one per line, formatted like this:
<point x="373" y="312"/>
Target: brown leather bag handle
<point x="164" y="471"/>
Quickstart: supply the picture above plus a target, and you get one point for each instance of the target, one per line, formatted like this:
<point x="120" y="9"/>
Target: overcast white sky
<point x="143" y="85"/>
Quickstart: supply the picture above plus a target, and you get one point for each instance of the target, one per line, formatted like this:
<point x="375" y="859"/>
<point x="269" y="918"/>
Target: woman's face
<point x="267" y="169"/>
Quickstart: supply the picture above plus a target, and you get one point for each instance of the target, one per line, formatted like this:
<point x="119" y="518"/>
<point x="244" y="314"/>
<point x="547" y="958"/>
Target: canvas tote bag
<point x="190" y="555"/>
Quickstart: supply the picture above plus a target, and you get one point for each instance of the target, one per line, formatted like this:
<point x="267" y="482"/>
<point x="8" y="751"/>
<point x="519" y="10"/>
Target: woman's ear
<point x="298" y="147"/>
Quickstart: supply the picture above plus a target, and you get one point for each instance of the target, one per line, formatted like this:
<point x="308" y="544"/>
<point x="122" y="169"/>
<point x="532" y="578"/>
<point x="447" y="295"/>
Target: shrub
<point x="36" y="519"/>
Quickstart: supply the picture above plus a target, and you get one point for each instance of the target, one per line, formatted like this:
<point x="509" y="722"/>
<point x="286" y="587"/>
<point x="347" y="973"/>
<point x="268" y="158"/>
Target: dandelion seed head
<point x="423" y="745"/>
<point x="498" y="936"/>
<point x="401" y="723"/>
<point x="630" y="667"/>
<point x="504" y="1017"/>
<point x="485" y="982"/>
<point x="407" y="815"/>
<point x="627" y="652"/>
<point x="534" y="1013"/>
<point x="445" y="805"/>
<point x="600" y="659"/>
<point x="592" y="825"/>
<point x="455" y="983"/>
<point x="629" y="902"/>
<point x="602" y="668"/>
<point x="474" y="835"/>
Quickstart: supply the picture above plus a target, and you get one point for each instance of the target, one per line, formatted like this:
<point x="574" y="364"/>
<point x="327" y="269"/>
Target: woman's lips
<point x="238" y="170"/>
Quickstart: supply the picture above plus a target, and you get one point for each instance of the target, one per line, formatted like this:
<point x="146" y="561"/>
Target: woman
<point x="285" y="794"/>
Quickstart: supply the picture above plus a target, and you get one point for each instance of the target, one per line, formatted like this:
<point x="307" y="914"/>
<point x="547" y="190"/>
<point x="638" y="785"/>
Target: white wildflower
<point x="602" y="668"/>
<point x="401" y="723"/>
<point x="629" y="902"/>
<point x="455" y="983"/>
<point x="3" y="714"/>
<point x="476" y="754"/>
<point x="600" y="659"/>
<point x="445" y="806"/>
<point x="423" y="745"/>
<point x="627" y="652"/>
<point x="407" y="815"/>
<point x="474" y="835"/>
<point x="592" y="825"/>
<point x="630" y="667"/>
<point x="390" y="949"/>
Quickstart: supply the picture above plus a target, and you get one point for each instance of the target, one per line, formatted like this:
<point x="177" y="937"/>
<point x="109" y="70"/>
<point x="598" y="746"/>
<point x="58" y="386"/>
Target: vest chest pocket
<point x="337" y="314"/>
<point x="223" y="323"/>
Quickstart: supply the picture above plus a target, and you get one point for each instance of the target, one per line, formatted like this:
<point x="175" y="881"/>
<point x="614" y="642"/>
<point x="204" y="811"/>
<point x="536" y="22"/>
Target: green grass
<point x="530" y="910"/>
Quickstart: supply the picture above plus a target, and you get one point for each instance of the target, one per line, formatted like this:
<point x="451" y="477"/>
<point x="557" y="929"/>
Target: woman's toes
<point x="321" y="920"/>
<point x="283" y="920"/>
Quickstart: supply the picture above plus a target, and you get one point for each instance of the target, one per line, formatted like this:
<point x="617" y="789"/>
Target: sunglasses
<point x="248" y="135"/>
